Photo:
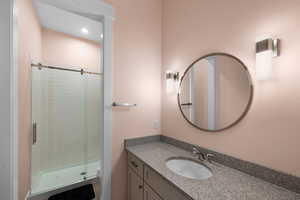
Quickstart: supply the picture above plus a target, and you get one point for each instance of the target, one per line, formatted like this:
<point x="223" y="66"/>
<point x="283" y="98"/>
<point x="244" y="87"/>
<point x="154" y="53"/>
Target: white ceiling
<point x="60" y="20"/>
<point x="97" y="8"/>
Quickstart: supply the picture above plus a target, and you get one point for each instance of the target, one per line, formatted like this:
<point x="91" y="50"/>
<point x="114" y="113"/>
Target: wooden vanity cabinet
<point x="146" y="184"/>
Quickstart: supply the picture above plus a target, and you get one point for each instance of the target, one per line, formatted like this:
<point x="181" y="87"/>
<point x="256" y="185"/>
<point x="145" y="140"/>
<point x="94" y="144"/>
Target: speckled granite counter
<point x="225" y="184"/>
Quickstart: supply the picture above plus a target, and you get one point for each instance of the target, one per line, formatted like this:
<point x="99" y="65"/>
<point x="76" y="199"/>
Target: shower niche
<point x="67" y="99"/>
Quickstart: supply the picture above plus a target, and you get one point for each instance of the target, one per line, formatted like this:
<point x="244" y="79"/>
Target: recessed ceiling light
<point x="85" y="31"/>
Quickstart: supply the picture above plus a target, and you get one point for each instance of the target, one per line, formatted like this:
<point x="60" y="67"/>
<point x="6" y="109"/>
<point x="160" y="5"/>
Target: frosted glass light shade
<point x="170" y="86"/>
<point x="264" y="65"/>
<point x="176" y="87"/>
<point x="172" y="82"/>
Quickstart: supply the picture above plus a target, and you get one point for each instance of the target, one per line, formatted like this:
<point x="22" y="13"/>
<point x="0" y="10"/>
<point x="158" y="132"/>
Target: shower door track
<point x="82" y="71"/>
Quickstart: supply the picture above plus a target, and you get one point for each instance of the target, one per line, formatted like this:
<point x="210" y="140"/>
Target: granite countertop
<point x="225" y="184"/>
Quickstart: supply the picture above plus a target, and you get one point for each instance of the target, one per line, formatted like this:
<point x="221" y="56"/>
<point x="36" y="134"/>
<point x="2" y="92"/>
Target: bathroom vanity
<point x="145" y="183"/>
<point x="149" y="178"/>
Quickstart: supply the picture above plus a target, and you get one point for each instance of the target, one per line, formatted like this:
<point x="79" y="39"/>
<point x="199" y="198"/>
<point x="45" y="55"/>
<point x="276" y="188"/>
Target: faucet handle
<point x="209" y="157"/>
<point x="195" y="151"/>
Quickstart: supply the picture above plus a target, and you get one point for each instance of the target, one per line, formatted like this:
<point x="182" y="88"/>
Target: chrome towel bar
<point x="119" y="104"/>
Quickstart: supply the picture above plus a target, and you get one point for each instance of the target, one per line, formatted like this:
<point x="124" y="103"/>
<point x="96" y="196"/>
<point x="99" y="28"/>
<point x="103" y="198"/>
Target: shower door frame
<point x="105" y="14"/>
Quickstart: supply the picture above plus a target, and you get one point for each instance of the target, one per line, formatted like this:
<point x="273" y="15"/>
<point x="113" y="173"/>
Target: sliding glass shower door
<point x="93" y="123"/>
<point x="67" y="115"/>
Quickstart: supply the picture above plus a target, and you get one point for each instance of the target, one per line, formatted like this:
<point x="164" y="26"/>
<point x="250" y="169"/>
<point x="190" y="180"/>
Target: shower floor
<point x="64" y="177"/>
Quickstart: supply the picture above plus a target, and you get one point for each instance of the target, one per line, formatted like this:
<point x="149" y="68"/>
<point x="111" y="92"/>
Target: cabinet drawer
<point x="135" y="164"/>
<point x="166" y="190"/>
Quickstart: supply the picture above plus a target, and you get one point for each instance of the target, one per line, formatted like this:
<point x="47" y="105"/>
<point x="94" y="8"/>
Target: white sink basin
<point x="189" y="168"/>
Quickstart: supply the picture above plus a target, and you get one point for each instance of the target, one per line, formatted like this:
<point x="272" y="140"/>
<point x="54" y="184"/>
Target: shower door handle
<point x="34" y="133"/>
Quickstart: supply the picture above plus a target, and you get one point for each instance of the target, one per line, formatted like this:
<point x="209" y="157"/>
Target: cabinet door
<point x="161" y="186"/>
<point x="149" y="194"/>
<point x="135" y="186"/>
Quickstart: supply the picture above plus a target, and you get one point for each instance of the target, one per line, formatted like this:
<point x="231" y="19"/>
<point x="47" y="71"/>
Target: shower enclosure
<point x="71" y="96"/>
<point x="67" y="123"/>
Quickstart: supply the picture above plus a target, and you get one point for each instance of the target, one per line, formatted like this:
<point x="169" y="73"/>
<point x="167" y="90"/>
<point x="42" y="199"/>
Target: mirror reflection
<point x="215" y="92"/>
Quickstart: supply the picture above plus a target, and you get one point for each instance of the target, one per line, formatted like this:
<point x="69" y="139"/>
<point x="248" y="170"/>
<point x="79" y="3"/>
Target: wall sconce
<point x="172" y="83"/>
<point x="265" y="51"/>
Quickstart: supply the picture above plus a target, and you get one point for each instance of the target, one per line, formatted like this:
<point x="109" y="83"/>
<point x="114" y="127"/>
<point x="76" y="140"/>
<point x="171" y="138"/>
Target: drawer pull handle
<point x="34" y="133"/>
<point x="134" y="164"/>
<point x="140" y="187"/>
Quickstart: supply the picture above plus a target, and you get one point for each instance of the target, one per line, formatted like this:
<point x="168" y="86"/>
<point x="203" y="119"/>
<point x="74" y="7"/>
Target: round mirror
<point x="215" y="92"/>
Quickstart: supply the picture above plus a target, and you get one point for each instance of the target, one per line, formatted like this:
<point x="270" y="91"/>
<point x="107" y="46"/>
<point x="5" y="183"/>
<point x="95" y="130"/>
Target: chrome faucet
<point x="197" y="152"/>
<point x="201" y="156"/>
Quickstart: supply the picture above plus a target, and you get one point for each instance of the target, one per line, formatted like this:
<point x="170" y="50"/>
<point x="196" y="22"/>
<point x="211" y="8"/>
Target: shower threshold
<point x="63" y="179"/>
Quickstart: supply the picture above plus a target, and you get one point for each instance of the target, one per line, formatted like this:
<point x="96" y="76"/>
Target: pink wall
<point x="136" y="78"/>
<point x="29" y="50"/>
<point x="232" y="27"/>
<point x="65" y="50"/>
<point x="269" y="135"/>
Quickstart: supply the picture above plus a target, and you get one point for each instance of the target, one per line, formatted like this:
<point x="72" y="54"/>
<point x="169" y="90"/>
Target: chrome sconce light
<point x="172" y="82"/>
<point x="265" y="51"/>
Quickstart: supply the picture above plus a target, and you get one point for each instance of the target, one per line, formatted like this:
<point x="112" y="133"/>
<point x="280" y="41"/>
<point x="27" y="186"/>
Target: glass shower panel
<point x="38" y="148"/>
<point x="59" y="156"/>
<point x="94" y="122"/>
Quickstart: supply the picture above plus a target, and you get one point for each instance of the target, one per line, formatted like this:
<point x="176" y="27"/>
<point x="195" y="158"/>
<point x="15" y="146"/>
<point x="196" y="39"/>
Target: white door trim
<point x="107" y="137"/>
<point x="14" y="42"/>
